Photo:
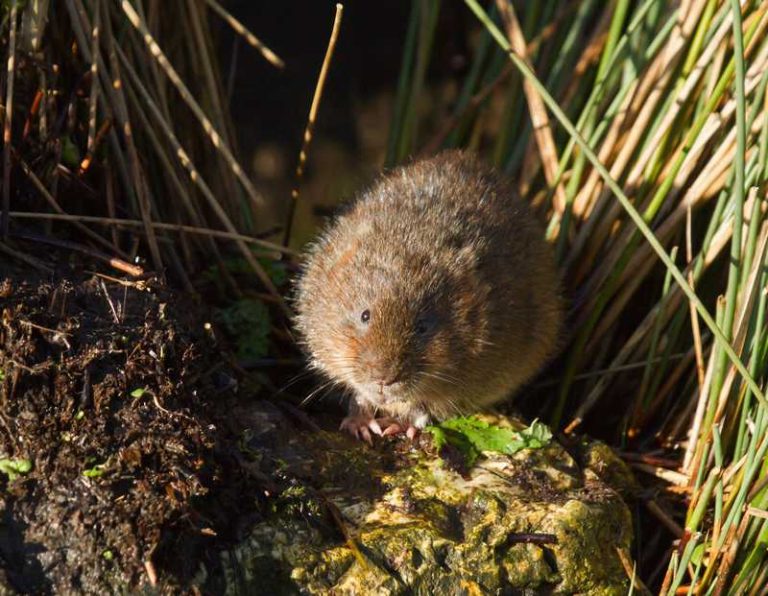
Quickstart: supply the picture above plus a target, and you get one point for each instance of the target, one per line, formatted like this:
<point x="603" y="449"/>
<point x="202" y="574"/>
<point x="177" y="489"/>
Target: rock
<point x="395" y="520"/>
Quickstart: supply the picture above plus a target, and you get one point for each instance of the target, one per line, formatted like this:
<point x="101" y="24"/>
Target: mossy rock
<point x="396" y="520"/>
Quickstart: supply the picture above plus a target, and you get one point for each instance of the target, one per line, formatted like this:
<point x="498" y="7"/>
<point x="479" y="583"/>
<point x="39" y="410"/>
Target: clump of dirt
<point x="107" y="390"/>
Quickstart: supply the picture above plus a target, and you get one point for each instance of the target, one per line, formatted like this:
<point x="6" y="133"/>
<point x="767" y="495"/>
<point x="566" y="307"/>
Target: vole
<point x="433" y="294"/>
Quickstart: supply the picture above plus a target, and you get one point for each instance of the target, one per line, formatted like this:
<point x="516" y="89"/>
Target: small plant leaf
<point x="13" y="468"/>
<point x="95" y="471"/>
<point x="471" y="436"/>
<point x="138" y="392"/>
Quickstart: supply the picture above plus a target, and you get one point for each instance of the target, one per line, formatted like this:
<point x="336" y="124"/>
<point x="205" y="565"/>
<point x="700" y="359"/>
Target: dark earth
<point x="117" y="395"/>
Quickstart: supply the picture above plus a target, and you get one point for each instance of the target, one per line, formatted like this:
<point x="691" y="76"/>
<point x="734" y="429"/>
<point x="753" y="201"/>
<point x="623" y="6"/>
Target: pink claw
<point x="396" y="428"/>
<point x="392" y="429"/>
<point x="361" y="426"/>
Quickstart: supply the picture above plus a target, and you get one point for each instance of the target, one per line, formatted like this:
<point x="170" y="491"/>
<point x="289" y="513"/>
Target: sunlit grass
<point x="661" y="150"/>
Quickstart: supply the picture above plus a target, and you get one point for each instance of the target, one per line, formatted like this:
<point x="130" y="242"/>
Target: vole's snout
<point x="384" y="374"/>
<point x="382" y="371"/>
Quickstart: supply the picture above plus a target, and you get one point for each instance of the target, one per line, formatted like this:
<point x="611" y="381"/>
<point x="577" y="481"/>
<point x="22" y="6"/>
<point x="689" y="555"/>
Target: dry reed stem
<point x="213" y="86"/>
<point x="539" y="119"/>
<point x="94" y="94"/>
<point x="216" y="138"/>
<point x="312" y="118"/>
<point x="690" y="459"/>
<point x="25" y="258"/>
<point x="79" y="20"/>
<point x="54" y="204"/>
<point x="682" y="99"/>
<point x="630" y="568"/>
<point x="179" y="188"/>
<point x="640" y="259"/>
<point x="119" y="264"/>
<point x="252" y="40"/>
<point x="591" y="236"/>
<point x="731" y="548"/>
<point x="663" y="392"/>
<point x="695" y="328"/>
<point x="650" y="92"/>
<point x="672" y="303"/>
<point x="589" y="56"/>
<point x="664" y="518"/>
<point x="671" y="476"/>
<point x="8" y="120"/>
<point x="746" y="300"/>
<point x="641" y="263"/>
<point x="741" y="324"/>
<point x="140" y="187"/>
<point x="134" y="223"/>
<point x="198" y="180"/>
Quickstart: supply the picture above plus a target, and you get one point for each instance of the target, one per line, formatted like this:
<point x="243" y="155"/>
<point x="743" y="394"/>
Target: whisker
<point x="295" y="379"/>
<point x="328" y="384"/>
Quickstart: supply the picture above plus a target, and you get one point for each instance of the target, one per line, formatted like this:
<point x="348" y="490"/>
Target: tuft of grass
<point x="654" y="192"/>
<point x="116" y="117"/>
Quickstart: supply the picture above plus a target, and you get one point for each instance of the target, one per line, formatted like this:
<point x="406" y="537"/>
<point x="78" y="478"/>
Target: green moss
<point x="419" y="527"/>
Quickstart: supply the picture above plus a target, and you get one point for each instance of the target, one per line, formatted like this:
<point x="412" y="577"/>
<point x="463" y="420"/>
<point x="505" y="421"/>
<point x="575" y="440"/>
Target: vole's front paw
<point x="362" y="425"/>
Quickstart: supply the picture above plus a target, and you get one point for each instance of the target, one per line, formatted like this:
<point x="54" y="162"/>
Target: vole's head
<point x="390" y="326"/>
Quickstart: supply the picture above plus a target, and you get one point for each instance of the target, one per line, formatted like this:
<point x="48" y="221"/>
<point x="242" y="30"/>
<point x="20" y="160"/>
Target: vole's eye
<point x="421" y="327"/>
<point x="365" y="316"/>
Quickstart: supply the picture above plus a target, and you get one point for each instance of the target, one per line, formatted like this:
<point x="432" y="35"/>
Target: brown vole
<point x="434" y="294"/>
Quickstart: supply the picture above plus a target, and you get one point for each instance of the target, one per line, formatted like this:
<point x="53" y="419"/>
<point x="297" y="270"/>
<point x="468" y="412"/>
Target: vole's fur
<point x="460" y="288"/>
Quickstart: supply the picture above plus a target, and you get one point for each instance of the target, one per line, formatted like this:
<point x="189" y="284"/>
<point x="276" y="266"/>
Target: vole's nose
<point x="389" y="380"/>
<point x="384" y="376"/>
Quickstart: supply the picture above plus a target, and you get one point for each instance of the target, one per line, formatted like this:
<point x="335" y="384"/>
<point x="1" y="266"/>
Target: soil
<point x="119" y="398"/>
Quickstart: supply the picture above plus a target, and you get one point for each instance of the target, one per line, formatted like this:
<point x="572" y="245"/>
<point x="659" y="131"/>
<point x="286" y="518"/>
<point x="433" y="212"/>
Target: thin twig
<point x="307" y="140"/>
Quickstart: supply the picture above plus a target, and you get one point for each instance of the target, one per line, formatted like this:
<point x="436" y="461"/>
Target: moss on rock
<point x="398" y="521"/>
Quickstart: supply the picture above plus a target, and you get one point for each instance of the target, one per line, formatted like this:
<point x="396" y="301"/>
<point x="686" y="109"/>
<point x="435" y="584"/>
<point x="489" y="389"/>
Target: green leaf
<point x="13" y="468"/>
<point x="138" y="392"/>
<point x="95" y="471"/>
<point x="70" y="153"/>
<point x="697" y="555"/>
<point x="471" y="436"/>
